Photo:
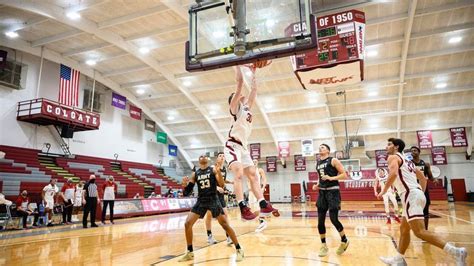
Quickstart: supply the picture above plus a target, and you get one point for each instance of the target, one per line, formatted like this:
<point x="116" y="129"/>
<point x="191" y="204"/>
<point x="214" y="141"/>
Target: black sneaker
<point x="94" y="225"/>
<point x="50" y="224"/>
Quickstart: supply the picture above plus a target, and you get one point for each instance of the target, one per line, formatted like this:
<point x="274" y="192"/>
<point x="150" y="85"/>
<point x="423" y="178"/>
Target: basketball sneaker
<point x="187" y="257"/>
<point x="247" y="214"/>
<point x="395" y="260"/>
<point x="397" y="219"/>
<point x="323" y="251"/>
<point x="211" y="240"/>
<point x="388" y="221"/>
<point x="262" y="225"/>
<point x="240" y="255"/>
<point x="459" y="254"/>
<point x="269" y="210"/>
<point x="342" y="247"/>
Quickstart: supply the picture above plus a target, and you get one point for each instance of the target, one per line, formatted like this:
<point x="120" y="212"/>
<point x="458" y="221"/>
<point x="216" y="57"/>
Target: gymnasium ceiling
<point x="419" y="75"/>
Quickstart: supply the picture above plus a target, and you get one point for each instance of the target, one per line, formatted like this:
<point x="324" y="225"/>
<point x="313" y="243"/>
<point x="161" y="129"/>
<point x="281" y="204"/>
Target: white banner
<point x="342" y="74"/>
<point x="307" y="147"/>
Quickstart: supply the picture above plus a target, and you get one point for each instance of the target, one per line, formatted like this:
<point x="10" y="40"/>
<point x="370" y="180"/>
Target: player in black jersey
<point x="207" y="179"/>
<point x="220" y="193"/>
<point x="425" y="168"/>
<point x="330" y="171"/>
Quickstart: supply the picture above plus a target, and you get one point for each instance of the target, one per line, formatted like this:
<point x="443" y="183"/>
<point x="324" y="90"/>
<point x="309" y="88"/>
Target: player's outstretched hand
<point x="185" y="181"/>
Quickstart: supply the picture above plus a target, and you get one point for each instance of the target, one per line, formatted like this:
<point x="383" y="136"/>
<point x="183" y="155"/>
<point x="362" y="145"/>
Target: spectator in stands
<point x="22" y="204"/>
<point x="169" y="194"/>
<point x="109" y="189"/>
<point x="90" y="199"/>
<point x="67" y="194"/>
<point x="78" y="200"/>
<point x="137" y="196"/>
<point x="152" y="195"/>
<point x="48" y="194"/>
<point x="2" y="155"/>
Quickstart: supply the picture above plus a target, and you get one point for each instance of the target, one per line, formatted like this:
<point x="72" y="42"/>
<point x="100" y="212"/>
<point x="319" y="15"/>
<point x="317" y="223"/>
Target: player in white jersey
<point x="381" y="177"/>
<point x="235" y="150"/>
<point x="262" y="182"/>
<point x="403" y="174"/>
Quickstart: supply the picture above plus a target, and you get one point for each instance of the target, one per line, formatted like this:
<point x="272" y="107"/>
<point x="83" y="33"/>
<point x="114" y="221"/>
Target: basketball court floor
<point x="289" y="240"/>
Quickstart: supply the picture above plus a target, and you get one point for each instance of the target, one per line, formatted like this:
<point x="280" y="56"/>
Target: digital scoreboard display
<point x="340" y="39"/>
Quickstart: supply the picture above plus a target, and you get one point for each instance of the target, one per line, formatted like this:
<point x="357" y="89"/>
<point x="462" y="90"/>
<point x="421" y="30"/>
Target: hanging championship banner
<point x="172" y="150"/>
<point x="300" y="163"/>
<point x="135" y="112"/>
<point x="284" y="149"/>
<point x="119" y="101"/>
<point x="381" y="157"/>
<point x="458" y="136"/>
<point x="271" y="164"/>
<point x="161" y="137"/>
<point x="255" y="151"/>
<point x="150" y="125"/>
<point x="425" y="139"/>
<point x="439" y="155"/>
<point x="307" y="147"/>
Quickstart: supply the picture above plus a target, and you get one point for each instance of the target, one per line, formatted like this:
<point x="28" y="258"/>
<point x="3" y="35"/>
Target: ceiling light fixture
<point x="441" y="85"/>
<point x="170" y="117"/>
<point x="187" y="83"/>
<point x="91" y="62"/>
<point x="11" y="34"/>
<point x="73" y="15"/>
<point x="140" y="91"/>
<point x="144" y="50"/>
<point x="455" y="39"/>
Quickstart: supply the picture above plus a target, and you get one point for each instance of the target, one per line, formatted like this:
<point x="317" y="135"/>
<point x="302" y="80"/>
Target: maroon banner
<point x="458" y="136"/>
<point x="381" y="157"/>
<point x="135" y="112"/>
<point x="425" y="139"/>
<point x="255" y="150"/>
<point x="284" y="149"/>
<point x="271" y="164"/>
<point x="70" y="114"/>
<point x="438" y="154"/>
<point x="312" y="176"/>
<point x="300" y="163"/>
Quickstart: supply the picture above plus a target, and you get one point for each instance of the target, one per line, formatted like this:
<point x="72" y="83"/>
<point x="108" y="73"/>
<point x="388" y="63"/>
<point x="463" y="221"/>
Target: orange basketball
<point x="261" y="64"/>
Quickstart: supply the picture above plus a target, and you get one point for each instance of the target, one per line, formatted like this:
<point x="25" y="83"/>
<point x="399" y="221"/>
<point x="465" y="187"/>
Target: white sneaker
<point x="211" y="240"/>
<point x="460" y="254"/>
<point x="261" y="227"/>
<point x="395" y="260"/>
<point x="229" y="241"/>
<point x="187" y="257"/>
<point x="240" y="255"/>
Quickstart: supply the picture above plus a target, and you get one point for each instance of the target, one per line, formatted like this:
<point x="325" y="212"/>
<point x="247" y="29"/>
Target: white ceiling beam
<point x="133" y="16"/>
<point x="84" y="5"/>
<point x="194" y="133"/>
<point x="444" y="8"/>
<point x="409" y="25"/>
<point x="86" y="49"/>
<point x="168" y="29"/>
<point x="160" y="96"/>
<point x="27" y="24"/>
<point x="125" y="70"/>
<point x="181" y="107"/>
<point x="112" y="56"/>
<point x="343" y="6"/>
<point x="52" y="56"/>
<point x="212" y="87"/>
<point x="143" y="83"/>
<point x="185" y="121"/>
<point x="57" y="37"/>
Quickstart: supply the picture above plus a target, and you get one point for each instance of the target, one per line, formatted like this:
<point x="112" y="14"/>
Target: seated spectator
<point x="22" y="209"/>
<point x="137" y="196"/>
<point x="152" y="195"/>
<point x="169" y="194"/>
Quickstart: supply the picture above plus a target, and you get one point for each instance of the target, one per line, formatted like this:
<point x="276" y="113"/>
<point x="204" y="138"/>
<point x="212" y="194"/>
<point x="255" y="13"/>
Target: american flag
<point x="68" y="86"/>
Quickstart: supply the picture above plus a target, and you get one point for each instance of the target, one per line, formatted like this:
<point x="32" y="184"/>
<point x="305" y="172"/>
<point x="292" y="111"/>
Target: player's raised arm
<point x="253" y="89"/>
<point x="234" y="102"/>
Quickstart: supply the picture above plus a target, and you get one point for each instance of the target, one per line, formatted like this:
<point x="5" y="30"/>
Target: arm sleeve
<point x="188" y="189"/>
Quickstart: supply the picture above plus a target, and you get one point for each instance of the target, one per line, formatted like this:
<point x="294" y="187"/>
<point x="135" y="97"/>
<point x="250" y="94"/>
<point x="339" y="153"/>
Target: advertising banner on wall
<point x="381" y="157"/>
<point x="300" y="163"/>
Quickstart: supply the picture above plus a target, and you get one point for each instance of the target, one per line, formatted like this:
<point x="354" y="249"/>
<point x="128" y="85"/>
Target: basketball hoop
<point x="258" y="64"/>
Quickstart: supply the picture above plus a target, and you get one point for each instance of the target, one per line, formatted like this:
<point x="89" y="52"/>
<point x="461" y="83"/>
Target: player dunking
<point x="330" y="171"/>
<point x="220" y="194"/>
<point x="404" y="174"/>
<point x="381" y="180"/>
<point x="207" y="178"/>
<point x="236" y="153"/>
<point x="425" y="168"/>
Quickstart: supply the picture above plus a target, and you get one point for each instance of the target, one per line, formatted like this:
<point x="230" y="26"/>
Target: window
<point x="11" y="76"/>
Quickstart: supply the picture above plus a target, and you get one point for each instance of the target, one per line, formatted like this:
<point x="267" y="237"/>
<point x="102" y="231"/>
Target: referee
<point x="90" y="199"/>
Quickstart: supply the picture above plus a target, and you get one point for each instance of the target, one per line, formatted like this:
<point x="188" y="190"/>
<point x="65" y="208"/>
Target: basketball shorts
<point x="234" y="152"/>
<point x="49" y="204"/>
<point x="221" y="200"/>
<point x="207" y="204"/>
<point x="414" y="202"/>
<point x="329" y="200"/>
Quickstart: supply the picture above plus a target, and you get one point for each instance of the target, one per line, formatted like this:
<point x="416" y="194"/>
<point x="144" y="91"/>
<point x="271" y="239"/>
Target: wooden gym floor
<point x="291" y="239"/>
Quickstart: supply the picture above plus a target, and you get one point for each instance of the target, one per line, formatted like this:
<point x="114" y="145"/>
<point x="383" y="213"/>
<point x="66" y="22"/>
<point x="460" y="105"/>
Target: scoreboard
<point x="340" y="40"/>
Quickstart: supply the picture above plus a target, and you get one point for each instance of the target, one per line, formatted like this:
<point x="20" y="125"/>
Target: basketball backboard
<point x="227" y="33"/>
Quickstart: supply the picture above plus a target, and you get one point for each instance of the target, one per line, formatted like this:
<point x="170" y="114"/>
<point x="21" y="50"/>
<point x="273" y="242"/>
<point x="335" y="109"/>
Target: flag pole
<point x="40" y="71"/>
<point x="93" y="91"/>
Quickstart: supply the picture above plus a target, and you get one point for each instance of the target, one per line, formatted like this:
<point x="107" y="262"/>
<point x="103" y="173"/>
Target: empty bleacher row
<point x="31" y="169"/>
